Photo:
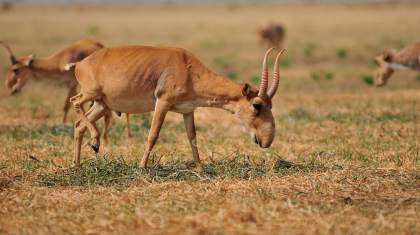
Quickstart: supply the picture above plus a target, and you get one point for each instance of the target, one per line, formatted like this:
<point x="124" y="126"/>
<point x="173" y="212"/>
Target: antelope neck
<point x="47" y="68"/>
<point x="216" y="91"/>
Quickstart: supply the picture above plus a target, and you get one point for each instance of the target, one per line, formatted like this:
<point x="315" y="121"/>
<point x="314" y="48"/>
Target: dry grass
<point x="345" y="159"/>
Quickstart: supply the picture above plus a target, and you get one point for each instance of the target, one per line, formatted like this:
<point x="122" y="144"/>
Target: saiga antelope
<point x="5" y="6"/>
<point x="387" y="62"/>
<point x="272" y="33"/>
<point x="27" y="67"/>
<point x="139" y="79"/>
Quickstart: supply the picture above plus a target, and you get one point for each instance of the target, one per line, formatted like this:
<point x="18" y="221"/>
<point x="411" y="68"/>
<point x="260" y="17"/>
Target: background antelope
<point x="5" y="6"/>
<point x="387" y="62"/>
<point x="139" y="79"/>
<point x="272" y="32"/>
<point x="27" y="67"/>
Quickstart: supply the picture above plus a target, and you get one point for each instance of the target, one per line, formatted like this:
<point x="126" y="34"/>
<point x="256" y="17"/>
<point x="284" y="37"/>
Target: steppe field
<point x="345" y="159"/>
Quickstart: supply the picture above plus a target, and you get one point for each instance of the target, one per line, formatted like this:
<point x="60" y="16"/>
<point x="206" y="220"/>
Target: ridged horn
<point x="276" y="78"/>
<point x="264" y="77"/>
<point x="12" y="57"/>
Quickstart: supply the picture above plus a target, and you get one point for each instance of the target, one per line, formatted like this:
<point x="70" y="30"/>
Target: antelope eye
<point x="257" y="106"/>
<point x="16" y="70"/>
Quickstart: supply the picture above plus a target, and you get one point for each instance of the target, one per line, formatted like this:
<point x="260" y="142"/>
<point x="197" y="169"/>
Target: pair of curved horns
<point x="264" y="77"/>
<point x="12" y="57"/>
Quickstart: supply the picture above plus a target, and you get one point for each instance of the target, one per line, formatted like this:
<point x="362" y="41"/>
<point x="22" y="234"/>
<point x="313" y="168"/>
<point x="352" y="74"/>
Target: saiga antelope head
<point x="255" y="110"/>
<point x="20" y="71"/>
<point x="383" y="70"/>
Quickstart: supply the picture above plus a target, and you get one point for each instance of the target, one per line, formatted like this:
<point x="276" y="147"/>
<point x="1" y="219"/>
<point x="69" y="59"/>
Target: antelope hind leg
<point x="98" y="110"/>
<point x="78" y="101"/>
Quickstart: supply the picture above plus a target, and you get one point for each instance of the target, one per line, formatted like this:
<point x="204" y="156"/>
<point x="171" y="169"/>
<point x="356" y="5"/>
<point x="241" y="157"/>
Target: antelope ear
<point x="30" y="60"/>
<point x="387" y="55"/>
<point x="246" y="90"/>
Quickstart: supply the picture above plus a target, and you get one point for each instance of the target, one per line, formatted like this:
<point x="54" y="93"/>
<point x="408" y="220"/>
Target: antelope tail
<point x="69" y="66"/>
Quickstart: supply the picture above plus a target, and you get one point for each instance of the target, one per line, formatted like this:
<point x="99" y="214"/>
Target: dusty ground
<point x="344" y="161"/>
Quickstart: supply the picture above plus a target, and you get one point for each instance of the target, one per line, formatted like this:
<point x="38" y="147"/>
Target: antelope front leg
<point x="190" y="127"/>
<point x="72" y="92"/>
<point x="107" y="120"/>
<point x="158" y="118"/>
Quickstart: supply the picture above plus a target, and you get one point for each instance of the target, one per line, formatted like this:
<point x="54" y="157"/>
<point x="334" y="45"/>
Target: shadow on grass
<point x="113" y="171"/>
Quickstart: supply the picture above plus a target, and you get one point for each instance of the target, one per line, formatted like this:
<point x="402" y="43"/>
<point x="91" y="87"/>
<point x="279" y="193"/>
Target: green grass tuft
<point x="342" y="53"/>
<point x="93" y="29"/>
<point x="368" y="79"/>
<point x="329" y="75"/>
<point x="285" y="63"/>
<point x="255" y="80"/>
<point x="309" y="49"/>
<point x="319" y="74"/>
<point x="315" y="76"/>
<point x="232" y="76"/>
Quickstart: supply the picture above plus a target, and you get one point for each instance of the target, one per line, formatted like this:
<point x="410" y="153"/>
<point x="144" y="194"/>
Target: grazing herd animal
<point x="272" y="33"/>
<point x="140" y="79"/>
<point x="5" y="6"/>
<point x="27" y="67"/>
<point x="387" y="62"/>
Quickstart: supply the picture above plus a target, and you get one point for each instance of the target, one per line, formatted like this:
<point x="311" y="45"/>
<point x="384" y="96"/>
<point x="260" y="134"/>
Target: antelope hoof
<point x="95" y="148"/>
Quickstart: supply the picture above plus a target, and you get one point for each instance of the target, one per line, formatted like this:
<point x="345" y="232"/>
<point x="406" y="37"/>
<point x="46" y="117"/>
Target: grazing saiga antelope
<point x="27" y="67"/>
<point x="5" y="6"/>
<point x="139" y="79"/>
<point x="387" y="62"/>
<point x="272" y="33"/>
